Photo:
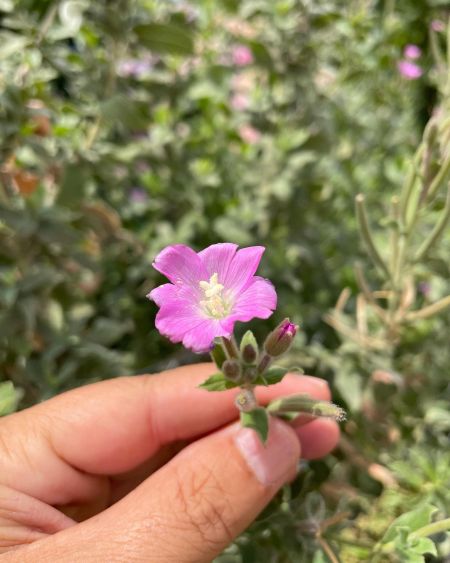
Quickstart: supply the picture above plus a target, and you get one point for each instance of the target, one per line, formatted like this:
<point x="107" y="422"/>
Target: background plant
<point x="129" y="125"/>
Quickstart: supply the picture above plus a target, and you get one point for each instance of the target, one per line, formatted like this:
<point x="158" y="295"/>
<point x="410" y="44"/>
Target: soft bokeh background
<point x="128" y="125"/>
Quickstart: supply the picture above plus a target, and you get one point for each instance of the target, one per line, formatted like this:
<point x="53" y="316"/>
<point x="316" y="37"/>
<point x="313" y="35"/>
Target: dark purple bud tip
<point x="279" y="340"/>
<point x="249" y="354"/>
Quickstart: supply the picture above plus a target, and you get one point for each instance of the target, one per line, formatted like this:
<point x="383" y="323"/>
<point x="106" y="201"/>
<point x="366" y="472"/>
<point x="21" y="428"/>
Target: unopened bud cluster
<point x="248" y="363"/>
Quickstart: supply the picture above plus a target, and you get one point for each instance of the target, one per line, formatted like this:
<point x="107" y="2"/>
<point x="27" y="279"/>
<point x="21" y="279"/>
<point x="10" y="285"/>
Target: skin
<point x="143" y="468"/>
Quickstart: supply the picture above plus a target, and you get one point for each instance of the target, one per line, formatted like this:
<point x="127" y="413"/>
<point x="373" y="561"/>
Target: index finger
<point x="112" y="426"/>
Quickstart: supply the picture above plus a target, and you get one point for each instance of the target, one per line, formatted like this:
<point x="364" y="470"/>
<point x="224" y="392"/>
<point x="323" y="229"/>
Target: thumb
<point x="193" y="507"/>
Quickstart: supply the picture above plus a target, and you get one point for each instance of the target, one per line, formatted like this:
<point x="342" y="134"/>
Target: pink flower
<point x="209" y="291"/>
<point x="437" y="25"/>
<point x="412" y="52"/>
<point x="409" y="70"/>
<point x="249" y="134"/>
<point x="242" y="56"/>
<point x="240" y="102"/>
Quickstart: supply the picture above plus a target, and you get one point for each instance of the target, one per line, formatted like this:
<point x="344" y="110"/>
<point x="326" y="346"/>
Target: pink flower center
<point x="214" y="303"/>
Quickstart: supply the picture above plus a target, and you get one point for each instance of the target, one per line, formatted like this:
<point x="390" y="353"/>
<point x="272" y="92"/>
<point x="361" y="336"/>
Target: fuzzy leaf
<point x="258" y="420"/>
<point x="217" y="382"/>
<point x="423" y="545"/>
<point x="413" y="520"/>
<point x="273" y="375"/>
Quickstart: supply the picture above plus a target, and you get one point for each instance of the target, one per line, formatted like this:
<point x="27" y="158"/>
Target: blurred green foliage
<point x="128" y="125"/>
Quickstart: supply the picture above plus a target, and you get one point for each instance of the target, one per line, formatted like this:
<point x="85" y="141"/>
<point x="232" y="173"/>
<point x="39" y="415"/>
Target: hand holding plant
<point x="208" y="293"/>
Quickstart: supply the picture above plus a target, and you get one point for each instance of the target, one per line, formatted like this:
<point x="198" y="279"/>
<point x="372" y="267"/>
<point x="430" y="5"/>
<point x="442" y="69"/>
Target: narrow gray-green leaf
<point x="217" y="382"/>
<point x="258" y="420"/>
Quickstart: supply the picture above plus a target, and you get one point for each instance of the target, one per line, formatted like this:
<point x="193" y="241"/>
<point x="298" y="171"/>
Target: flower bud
<point x="249" y="354"/>
<point x="279" y="340"/>
<point x="231" y="370"/>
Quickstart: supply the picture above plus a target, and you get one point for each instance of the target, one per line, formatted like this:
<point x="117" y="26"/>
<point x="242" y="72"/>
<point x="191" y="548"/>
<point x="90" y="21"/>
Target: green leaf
<point x="75" y="178"/>
<point x="9" y="398"/>
<point x="258" y="420"/>
<point x="273" y="375"/>
<point x="120" y="109"/>
<point x="165" y="38"/>
<point x="218" y="382"/>
<point x="413" y="520"/>
<point x="423" y="545"/>
<point x="12" y="43"/>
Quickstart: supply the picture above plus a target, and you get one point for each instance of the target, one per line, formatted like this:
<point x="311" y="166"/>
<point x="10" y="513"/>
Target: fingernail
<point x="274" y="462"/>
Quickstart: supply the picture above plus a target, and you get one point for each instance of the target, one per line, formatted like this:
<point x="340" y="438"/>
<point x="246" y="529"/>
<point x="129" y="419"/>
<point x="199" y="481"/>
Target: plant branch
<point x="367" y="235"/>
<point x="437" y="232"/>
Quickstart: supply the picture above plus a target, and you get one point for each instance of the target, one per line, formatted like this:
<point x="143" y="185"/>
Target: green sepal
<point x="218" y="355"/>
<point x="218" y="382"/>
<point x="249" y="339"/>
<point x="258" y="420"/>
<point x="273" y="375"/>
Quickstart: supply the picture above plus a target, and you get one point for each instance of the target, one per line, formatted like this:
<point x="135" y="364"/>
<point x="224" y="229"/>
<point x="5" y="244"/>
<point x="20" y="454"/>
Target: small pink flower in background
<point x="209" y="292"/>
<point x="412" y="52"/>
<point x="249" y="134"/>
<point x="135" y="67"/>
<point x="437" y="25"/>
<point x="424" y="288"/>
<point x="409" y="70"/>
<point x="138" y="196"/>
<point x="241" y="56"/>
<point x="240" y="102"/>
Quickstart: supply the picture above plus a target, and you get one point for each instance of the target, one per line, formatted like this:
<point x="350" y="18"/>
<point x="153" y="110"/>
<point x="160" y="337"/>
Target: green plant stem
<point x="409" y="185"/>
<point x="437" y="232"/>
<point x="367" y="235"/>
<point x="433" y="528"/>
<point x="264" y="363"/>
<point x="440" y="178"/>
<point x="47" y="22"/>
<point x="230" y="348"/>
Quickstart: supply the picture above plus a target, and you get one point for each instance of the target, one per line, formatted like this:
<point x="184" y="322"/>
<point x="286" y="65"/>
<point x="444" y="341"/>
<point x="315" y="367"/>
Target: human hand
<point x="144" y="468"/>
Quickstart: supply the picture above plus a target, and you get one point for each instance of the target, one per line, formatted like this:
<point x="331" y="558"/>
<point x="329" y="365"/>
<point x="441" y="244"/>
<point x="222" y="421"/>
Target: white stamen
<point x="214" y="304"/>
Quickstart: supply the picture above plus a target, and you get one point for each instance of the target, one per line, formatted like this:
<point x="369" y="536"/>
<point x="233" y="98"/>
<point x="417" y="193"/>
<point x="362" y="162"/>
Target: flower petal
<point x="177" y="317"/>
<point x="217" y="259"/>
<point x="242" y="268"/>
<point x="181" y="265"/>
<point x="258" y="300"/>
<point x="201" y="337"/>
<point x="163" y="293"/>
